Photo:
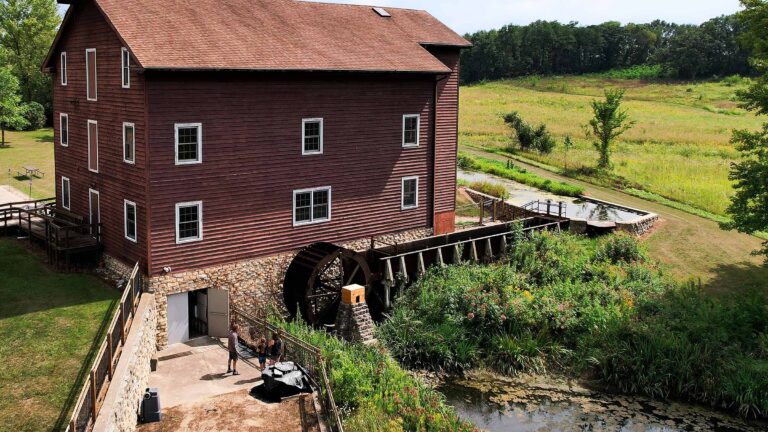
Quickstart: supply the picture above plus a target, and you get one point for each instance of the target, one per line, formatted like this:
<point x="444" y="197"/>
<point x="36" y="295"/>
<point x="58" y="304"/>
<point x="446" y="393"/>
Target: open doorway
<point x="196" y="314"/>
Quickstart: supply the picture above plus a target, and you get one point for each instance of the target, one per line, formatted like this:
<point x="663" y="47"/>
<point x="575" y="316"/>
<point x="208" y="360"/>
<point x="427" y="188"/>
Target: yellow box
<point x="353" y="294"/>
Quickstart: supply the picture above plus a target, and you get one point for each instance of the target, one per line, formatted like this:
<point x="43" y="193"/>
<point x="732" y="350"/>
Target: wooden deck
<point x="63" y="234"/>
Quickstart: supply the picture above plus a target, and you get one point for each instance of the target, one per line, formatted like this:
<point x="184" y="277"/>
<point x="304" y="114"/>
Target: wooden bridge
<point x="62" y="233"/>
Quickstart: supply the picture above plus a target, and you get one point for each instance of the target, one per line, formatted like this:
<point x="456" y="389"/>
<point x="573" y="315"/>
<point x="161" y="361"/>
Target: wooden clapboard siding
<point x="116" y="180"/>
<point x="252" y="160"/>
<point x="446" y="141"/>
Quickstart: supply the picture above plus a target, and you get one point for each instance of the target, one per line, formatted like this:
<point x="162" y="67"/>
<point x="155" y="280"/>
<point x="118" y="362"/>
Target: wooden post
<point x="403" y="270"/>
<point x="422" y="269"/>
<point x="549" y="205"/>
<point x="503" y="246"/>
<point x="122" y="323"/>
<point x="473" y="251"/>
<point x="440" y="261"/>
<point x="495" y="218"/>
<point x="72" y="426"/>
<point x="111" y="354"/>
<point x="93" y="394"/>
<point x="482" y="211"/>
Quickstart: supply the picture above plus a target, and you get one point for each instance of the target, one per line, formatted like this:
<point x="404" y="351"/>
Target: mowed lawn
<point x="48" y="322"/>
<point x="679" y="148"/>
<point x="29" y="149"/>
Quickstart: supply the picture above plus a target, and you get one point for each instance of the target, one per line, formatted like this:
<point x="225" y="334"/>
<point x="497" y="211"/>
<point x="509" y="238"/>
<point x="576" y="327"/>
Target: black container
<point x="150" y="406"/>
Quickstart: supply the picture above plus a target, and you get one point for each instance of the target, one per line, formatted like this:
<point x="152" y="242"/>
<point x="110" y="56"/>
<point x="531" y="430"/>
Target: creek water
<point x="520" y="194"/>
<point x="542" y="403"/>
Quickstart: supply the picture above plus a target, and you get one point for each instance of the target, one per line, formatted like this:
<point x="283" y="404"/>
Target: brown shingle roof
<point x="277" y="35"/>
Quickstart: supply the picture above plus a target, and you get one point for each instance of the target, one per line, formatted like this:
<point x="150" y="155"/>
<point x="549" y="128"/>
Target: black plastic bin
<point x="150" y="406"/>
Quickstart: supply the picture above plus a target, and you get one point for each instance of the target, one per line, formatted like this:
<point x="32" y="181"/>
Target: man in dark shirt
<point x="232" y="345"/>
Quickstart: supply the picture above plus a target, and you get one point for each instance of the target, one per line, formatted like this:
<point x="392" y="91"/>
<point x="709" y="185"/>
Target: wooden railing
<point x="95" y="387"/>
<point x="298" y="351"/>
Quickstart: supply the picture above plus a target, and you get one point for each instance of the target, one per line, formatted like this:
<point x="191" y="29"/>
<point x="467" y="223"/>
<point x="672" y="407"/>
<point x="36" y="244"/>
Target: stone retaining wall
<point x="504" y="210"/>
<point x="640" y="226"/>
<point x="254" y="285"/>
<point x="131" y="377"/>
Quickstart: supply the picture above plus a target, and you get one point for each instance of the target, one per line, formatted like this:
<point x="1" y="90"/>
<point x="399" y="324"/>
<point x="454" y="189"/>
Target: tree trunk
<point x="2" y="143"/>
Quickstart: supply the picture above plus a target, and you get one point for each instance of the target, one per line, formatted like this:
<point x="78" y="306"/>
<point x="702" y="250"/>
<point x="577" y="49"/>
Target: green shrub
<point x="600" y="309"/>
<point x="465" y="162"/>
<point x="34" y="114"/>
<point x="620" y="248"/>
<point x="511" y="172"/>
<point x="493" y="189"/>
<point x="641" y="72"/>
<point x="375" y="393"/>
<point x="528" y="137"/>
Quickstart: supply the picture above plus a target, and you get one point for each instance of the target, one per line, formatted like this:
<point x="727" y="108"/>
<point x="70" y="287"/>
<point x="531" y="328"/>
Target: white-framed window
<point x="311" y="206"/>
<point x="189" y="143"/>
<point x="411" y="125"/>
<point x="93" y="146"/>
<point x="90" y="74"/>
<point x="65" y="195"/>
<point x="129" y="143"/>
<point x="130" y="215"/>
<point x="64" y="129"/>
<point x="189" y="222"/>
<point x="312" y="136"/>
<point x="409" y="195"/>
<point x="125" y="61"/>
<point x="63" y="68"/>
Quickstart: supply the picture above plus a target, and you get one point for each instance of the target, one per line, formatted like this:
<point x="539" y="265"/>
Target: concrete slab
<point x="9" y="194"/>
<point x="195" y="370"/>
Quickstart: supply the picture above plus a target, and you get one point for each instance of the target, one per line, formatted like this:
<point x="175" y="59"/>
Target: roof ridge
<point x="359" y="5"/>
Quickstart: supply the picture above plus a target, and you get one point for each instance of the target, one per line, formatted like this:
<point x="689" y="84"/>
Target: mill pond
<point x="545" y="403"/>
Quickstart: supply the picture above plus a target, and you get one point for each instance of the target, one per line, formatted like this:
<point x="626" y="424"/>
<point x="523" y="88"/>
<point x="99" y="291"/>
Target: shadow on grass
<point x="82" y="374"/>
<point x="737" y="279"/>
<point x="46" y="138"/>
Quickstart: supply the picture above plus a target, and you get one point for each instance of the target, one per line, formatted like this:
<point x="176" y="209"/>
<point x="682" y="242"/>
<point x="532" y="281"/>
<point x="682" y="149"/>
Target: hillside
<point x="680" y="147"/>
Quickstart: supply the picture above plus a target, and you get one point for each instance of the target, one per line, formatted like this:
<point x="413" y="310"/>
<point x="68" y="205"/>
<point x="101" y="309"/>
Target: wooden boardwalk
<point x="63" y="234"/>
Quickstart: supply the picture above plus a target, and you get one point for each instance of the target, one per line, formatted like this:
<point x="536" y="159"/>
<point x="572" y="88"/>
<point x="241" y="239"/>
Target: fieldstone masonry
<point x="353" y="320"/>
<point x="131" y="377"/>
<point x="254" y="285"/>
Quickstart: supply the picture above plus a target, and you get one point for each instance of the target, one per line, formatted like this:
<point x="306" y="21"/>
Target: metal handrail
<point x="306" y="353"/>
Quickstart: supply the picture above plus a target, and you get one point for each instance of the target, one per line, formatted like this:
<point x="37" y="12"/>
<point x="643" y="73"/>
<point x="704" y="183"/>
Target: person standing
<point x="232" y="345"/>
<point x="276" y="348"/>
<point x="261" y="350"/>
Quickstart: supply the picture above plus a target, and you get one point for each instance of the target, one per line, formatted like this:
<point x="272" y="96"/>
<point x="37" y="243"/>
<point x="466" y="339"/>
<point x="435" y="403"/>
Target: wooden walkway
<point x="62" y="233"/>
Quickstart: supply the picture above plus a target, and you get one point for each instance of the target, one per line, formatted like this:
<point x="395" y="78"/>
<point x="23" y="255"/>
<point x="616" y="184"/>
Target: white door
<point x="218" y="313"/>
<point x="178" y="318"/>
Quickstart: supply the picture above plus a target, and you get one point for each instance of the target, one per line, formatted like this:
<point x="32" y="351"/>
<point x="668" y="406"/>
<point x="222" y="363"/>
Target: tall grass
<point x="511" y="172"/>
<point x="680" y="147"/>
<point x="588" y="309"/>
<point x="375" y="393"/>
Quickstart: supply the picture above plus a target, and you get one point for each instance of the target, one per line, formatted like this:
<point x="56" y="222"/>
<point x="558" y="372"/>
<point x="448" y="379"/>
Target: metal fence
<point x="296" y="350"/>
<point x="96" y="384"/>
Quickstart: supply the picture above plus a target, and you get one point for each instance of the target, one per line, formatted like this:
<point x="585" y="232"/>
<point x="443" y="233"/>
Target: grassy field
<point x="680" y="147"/>
<point x="48" y="322"/>
<point x="28" y="149"/>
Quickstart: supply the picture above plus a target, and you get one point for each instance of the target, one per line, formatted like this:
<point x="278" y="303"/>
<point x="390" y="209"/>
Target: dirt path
<point x="236" y="411"/>
<point x="691" y="246"/>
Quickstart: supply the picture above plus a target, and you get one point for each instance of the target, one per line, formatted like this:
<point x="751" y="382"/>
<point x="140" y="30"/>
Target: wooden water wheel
<point x="315" y="278"/>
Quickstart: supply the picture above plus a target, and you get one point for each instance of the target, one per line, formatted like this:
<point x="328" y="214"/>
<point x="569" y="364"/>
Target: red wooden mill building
<point x="214" y="139"/>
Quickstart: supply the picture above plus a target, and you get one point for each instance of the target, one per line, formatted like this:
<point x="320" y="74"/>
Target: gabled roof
<point x="280" y="35"/>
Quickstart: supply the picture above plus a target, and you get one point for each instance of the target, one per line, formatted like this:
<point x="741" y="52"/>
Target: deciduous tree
<point x="608" y="123"/>
<point x="27" y="29"/>
<point x="10" y="103"/>
<point x="749" y="205"/>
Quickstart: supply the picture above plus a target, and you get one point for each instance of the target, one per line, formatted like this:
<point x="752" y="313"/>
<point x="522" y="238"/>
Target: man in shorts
<point x="232" y="345"/>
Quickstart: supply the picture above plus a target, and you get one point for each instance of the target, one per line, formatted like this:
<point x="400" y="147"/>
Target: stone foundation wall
<point x="254" y="285"/>
<point x="117" y="270"/>
<point x="131" y="377"/>
<point x="640" y="226"/>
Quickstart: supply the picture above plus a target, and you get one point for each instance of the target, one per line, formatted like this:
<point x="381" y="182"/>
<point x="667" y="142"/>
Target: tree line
<point x="553" y="48"/>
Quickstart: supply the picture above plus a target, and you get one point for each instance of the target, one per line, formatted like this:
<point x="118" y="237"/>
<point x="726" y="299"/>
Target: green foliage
<point x="375" y="393"/>
<point x="637" y="72"/>
<point x="34" y="116"/>
<point x="620" y="248"/>
<point x="27" y="29"/>
<point x="519" y="175"/>
<point x="493" y="189"/>
<point x="10" y="108"/>
<point x="528" y="137"/>
<point x="599" y="309"/>
<point x="749" y="205"/>
<point x="608" y="123"/>
<point x="632" y="51"/>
